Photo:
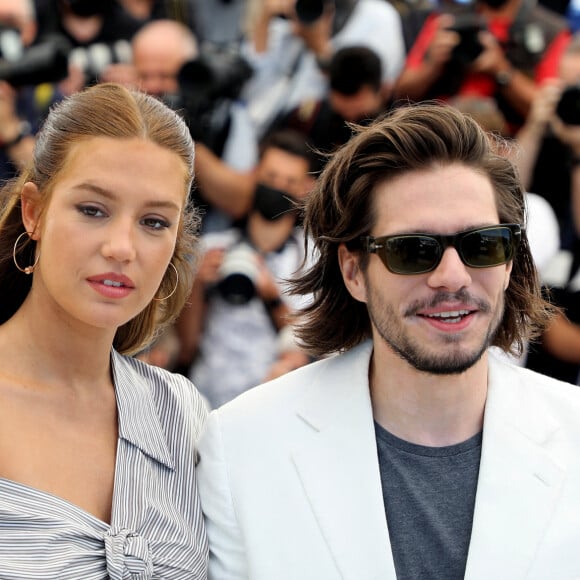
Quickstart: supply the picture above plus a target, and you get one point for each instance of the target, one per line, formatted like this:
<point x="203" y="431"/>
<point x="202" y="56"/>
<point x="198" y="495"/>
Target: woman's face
<point x="109" y="230"/>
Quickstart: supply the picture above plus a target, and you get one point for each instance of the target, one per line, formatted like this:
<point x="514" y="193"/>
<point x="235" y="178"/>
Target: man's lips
<point x="448" y="314"/>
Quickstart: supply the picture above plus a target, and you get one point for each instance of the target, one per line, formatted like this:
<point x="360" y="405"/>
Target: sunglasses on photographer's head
<point x="420" y="253"/>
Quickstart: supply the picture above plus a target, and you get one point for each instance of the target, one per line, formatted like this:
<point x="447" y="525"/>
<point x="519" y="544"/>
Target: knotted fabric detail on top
<point x="128" y="555"/>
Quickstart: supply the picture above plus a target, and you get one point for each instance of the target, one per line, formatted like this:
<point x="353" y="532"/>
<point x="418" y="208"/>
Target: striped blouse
<point x="156" y="528"/>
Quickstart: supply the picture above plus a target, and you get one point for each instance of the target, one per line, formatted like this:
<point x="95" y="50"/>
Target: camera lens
<point x="309" y="11"/>
<point x="238" y="274"/>
<point x="468" y="26"/>
<point x="568" y="108"/>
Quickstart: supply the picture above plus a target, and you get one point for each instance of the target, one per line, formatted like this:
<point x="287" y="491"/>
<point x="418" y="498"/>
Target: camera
<point x="207" y="87"/>
<point x="468" y="27"/>
<point x="568" y="107"/>
<point x="309" y="11"/>
<point x="214" y="75"/>
<point x="87" y="8"/>
<point x="46" y="62"/>
<point x="238" y="274"/>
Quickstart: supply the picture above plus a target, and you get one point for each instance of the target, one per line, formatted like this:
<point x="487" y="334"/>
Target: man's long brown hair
<point x="341" y="210"/>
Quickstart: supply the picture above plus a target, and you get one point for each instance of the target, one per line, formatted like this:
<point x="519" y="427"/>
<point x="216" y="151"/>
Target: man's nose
<point x="451" y="273"/>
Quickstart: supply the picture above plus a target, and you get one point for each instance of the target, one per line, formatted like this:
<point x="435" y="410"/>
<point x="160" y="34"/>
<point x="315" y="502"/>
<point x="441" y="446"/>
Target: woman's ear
<point x="351" y="273"/>
<point x="31" y="209"/>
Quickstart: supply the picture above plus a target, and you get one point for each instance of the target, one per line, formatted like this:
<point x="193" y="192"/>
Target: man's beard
<point x="455" y="360"/>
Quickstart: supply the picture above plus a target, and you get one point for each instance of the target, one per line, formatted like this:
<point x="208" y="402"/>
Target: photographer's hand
<point x="210" y="263"/>
<point x="266" y="284"/>
<point x="317" y="35"/>
<point x="9" y="121"/>
<point x="530" y="136"/>
<point x="516" y="87"/>
<point x="269" y="291"/>
<point x="570" y="135"/>
<point x="492" y="59"/>
<point x="16" y="141"/>
<point x="273" y="8"/>
<point x="414" y="82"/>
<point x="225" y="188"/>
<point x="189" y="326"/>
<point x="443" y="43"/>
<point x="543" y="107"/>
<point x="268" y="9"/>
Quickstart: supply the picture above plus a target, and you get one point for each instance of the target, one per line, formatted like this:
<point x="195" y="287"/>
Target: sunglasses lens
<point x="421" y="253"/>
<point x="488" y="247"/>
<point x="410" y="254"/>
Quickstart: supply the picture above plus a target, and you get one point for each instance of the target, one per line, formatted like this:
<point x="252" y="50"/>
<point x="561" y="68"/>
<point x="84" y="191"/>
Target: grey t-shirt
<point x="429" y="495"/>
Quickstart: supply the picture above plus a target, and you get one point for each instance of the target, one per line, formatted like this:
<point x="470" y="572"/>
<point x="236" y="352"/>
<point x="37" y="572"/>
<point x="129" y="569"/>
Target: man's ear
<point x="31" y="209"/>
<point x="351" y="273"/>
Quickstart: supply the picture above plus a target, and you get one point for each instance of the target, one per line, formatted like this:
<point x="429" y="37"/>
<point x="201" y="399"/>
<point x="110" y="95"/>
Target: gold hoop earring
<point x="28" y="269"/>
<point x="174" y="289"/>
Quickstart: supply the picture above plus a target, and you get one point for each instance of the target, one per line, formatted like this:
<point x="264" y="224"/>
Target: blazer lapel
<point x="339" y="468"/>
<point x="519" y="480"/>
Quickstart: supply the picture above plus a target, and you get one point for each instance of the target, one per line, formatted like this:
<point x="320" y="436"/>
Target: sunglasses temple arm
<point x="369" y="244"/>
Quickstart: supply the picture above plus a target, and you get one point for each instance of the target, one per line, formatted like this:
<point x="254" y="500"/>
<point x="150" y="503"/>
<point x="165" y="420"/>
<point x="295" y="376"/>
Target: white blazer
<point x="291" y="490"/>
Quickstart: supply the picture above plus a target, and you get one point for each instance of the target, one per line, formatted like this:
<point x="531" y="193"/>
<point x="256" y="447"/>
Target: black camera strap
<point x="265" y="109"/>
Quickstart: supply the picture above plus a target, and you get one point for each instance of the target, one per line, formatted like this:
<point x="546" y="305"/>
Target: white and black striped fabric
<point x="156" y="529"/>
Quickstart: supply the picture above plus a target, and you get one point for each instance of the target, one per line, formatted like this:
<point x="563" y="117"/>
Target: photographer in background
<point x="16" y="138"/>
<point x="20" y="15"/>
<point x="549" y="162"/>
<point x="235" y="331"/>
<point x="549" y="165"/>
<point x="99" y="33"/>
<point x="354" y="96"/>
<point x="26" y="74"/>
<point x="145" y="10"/>
<point x="489" y="48"/>
<point x="159" y="51"/>
<point x="203" y="87"/>
<point x="290" y="44"/>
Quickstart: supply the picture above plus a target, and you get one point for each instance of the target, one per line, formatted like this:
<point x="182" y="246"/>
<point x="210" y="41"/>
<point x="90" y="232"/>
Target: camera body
<point x="468" y="26"/>
<point x="88" y="8"/>
<point x="46" y="62"/>
<point x="207" y="87"/>
<point x="309" y="11"/>
<point x="238" y="274"/>
<point x="213" y="75"/>
<point x="568" y="107"/>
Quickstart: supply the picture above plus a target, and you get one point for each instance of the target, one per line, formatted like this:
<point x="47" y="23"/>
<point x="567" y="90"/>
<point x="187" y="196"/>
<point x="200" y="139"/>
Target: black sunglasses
<point x="419" y="253"/>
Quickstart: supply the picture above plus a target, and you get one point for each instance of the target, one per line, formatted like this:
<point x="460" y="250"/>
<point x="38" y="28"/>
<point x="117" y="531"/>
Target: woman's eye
<point x="155" y="223"/>
<point x="90" y="211"/>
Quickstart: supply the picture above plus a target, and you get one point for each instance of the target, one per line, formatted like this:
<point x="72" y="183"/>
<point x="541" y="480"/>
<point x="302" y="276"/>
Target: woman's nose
<point x="119" y="243"/>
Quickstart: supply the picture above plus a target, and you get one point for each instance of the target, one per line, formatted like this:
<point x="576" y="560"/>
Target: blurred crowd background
<point x="269" y="88"/>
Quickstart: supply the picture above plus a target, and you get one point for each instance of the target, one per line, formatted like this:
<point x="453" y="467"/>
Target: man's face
<point x="364" y="104"/>
<point x="442" y="321"/>
<point x="157" y="65"/>
<point x="284" y="171"/>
